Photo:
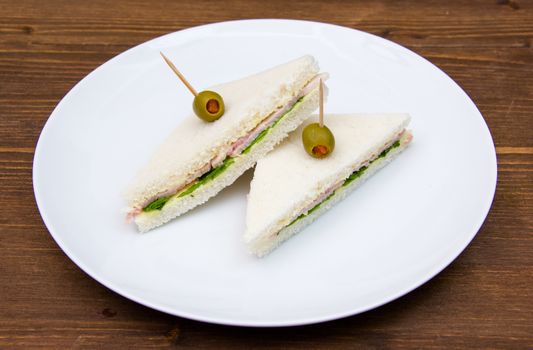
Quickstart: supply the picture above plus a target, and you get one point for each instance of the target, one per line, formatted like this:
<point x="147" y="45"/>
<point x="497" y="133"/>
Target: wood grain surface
<point x="482" y="300"/>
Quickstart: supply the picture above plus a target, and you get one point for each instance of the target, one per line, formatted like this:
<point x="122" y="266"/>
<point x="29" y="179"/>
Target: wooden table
<point x="482" y="300"/>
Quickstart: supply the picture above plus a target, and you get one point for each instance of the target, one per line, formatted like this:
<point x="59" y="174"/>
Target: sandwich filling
<point x="404" y="138"/>
<point x="225" y="158"/>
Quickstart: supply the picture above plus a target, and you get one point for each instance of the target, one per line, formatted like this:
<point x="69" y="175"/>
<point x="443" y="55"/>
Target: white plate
<point x="397" y="231"/>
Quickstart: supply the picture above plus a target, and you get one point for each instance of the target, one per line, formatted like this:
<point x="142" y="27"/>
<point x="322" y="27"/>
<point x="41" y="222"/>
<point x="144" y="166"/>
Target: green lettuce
<point x="202" y="180"/>
<point x="157" y="204"/>
<point x="263" y="133"/>
<point x="354" y="176"/>
<point x="313" y="209"/>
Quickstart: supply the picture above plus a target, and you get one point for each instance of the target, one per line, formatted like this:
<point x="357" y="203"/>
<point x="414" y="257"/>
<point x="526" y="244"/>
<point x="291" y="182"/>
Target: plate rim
<point x="244" y="322"/>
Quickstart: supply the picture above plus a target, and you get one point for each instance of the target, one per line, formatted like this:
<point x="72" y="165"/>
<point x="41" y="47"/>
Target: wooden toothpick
<point x="321" y="104"/>
<point x="178" y="73"/>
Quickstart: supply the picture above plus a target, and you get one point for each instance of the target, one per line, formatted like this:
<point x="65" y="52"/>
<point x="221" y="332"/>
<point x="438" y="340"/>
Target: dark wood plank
<point x="483" y="300"/>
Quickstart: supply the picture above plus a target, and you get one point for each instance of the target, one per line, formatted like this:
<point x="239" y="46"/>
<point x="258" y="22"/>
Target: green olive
<point x="208" y="106"/>
<point x="318" y="141"/>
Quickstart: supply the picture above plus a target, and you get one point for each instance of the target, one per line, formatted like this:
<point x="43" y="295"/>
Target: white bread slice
<point x="177" y="206"/>
<point x="194" y="142"/>
<point x="288" y="180"/>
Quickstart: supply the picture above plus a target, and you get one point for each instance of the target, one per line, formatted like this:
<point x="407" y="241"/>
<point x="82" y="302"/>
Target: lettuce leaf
<point x="263" y="133"/>
<point x="202" y="180"/>
<point x="156" y="205"/>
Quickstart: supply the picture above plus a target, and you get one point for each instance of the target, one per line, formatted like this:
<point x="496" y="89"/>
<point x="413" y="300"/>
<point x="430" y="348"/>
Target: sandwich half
<point x="199" y="159"/>
<point x="290" y="189"/>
